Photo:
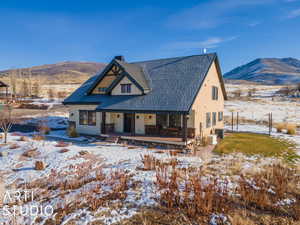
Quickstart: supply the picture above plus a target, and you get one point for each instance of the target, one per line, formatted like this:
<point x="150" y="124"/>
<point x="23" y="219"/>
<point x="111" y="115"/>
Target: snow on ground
<point x="16" y="169"/>
<point x="263" y="102"/>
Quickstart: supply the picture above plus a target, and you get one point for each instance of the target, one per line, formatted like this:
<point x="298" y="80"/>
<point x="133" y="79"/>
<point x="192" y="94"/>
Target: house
<point x="174" y="97"/>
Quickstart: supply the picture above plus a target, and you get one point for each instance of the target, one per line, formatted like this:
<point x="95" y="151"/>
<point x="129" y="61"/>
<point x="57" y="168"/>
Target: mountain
<point x="271" y="71"/>
<point x="59" y="73"/>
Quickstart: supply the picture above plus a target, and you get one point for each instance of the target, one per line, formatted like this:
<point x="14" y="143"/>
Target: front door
<point x="127" y="122"/>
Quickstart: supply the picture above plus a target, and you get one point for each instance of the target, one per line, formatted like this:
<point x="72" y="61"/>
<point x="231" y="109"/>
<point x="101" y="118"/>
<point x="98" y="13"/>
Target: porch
<point x="154" y="127"/>
<point x="155" y="141"/>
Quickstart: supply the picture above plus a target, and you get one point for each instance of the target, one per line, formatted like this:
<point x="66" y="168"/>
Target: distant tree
<point x="237" y="93"/>
<point x="251" y="92"/>
<point x="25" y="88"/>
<point x="6" y="120"/>
<point x="298" y="87"/>
<point x="13" y="82"/>
<point x="286" y="91"/>
<point x="36" y="89"/>
<point x="62" y="94"/>
<point x="51" y="94"/>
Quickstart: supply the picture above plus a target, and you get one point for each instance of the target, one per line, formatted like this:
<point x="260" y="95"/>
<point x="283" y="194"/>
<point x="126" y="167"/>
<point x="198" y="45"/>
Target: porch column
<point x="103" y="128"/>
<point x="184" y="130"/>
<point x="133" y="124"/>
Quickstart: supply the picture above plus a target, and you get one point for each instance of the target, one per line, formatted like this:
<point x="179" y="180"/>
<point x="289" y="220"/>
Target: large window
<point x="87" y="117"/>
<point x="162" y="120"/>
<point x="125" y="88"/>
<point x="174" y="120"/>
<point x="220" y="116"/>
<point x="214" y="118"/>
<point x="214" y="93"/>
<point x="208" y="120"/>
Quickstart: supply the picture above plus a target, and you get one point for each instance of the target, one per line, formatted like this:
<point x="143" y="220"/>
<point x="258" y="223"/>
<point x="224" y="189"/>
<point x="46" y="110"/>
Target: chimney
<point x="120" y="57"/>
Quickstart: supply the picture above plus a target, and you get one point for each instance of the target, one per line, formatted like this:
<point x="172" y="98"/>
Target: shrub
<point x="38" y="138"/>
<point x="62" y="144"/>
<point x="72" y="132"/>
<point x="280" y="127"/>
<point x="14" y="146"/>
<point x="291" y="129"/>
<point x="44" y="128"/>
<point x="23" y="138"/>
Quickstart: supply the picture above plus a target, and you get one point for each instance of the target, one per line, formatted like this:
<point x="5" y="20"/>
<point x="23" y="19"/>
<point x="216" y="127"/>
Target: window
<point x="208" y="120"/>
<point x="214" y="118"/>
<point x="162" y="120"/>
<point x="102" y="89"/>
<point x="174" y="120"/>
<point x="87" y="117"/>
<point x="125" y="88"/>
<point x="214" y="93"/>
<point x="220" y="115"/>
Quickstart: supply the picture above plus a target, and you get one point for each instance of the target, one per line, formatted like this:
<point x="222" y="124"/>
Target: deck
<point x="152" y="140"/>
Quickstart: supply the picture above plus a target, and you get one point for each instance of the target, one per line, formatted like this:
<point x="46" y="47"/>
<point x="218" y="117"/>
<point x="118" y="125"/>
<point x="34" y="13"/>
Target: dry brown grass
<point x="291" y="129"/>
<point x="38" y="138"/>
<point x="14" y="146"/>
<point x="62" y="144"/>
<point x="280" y="127"/>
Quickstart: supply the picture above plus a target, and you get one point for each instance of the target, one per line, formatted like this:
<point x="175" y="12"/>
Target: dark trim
<point x="103" y="121"/>
<point x="81" y="103"/>
<point x="141" y="111"/>
<point x="124" y="73"/>
<point x="100" y="77"/>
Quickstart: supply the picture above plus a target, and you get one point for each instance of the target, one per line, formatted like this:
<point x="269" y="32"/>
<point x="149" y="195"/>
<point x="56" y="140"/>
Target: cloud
<point x="210" y="14"/>
<point x="209" y="43"/>
<point x="294" y="13"/>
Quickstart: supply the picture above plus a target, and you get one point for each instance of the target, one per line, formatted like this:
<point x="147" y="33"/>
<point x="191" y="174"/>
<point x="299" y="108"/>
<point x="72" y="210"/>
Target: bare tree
<point x="251" y="92"/>
<point x="13" y="83"/>
<point x="36" y="89"/>
<point x="6" y="120"/>
<point x="50" y="93"/>
<point x="237" y="93"/>
<point x="25" y="89"/>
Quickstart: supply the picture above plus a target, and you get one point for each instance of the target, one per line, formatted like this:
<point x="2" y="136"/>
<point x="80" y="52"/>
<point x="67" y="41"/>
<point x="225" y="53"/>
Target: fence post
<point x="232" y="121"/>
<point x="237" y="121"/>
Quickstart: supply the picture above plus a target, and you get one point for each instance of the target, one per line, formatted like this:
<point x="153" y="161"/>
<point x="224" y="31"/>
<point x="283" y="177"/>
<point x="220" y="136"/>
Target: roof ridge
<point x="178" y="57"/>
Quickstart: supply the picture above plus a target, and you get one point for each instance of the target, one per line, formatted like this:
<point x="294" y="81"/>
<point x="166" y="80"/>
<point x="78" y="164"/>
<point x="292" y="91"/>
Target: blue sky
<point x="35" y="32"/>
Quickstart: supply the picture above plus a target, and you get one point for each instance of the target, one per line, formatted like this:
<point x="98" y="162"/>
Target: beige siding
<point x="117" y="119"/>
<point x="139" y="124"/>
<point x="125" y="80"/>
<point x="204" y="103"/>
<point x="85" y="129"/>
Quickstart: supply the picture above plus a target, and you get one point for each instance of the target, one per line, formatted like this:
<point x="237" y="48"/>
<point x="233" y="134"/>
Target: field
<point x="249" y="178"/>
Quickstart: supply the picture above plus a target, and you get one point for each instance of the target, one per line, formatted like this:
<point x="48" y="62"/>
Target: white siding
<point x="125" y="80"/>
<point x="85" y="129"/>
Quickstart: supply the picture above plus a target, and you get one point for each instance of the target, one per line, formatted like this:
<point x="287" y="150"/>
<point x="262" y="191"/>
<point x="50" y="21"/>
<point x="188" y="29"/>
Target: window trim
<point x="220" y="116"/>
<point x="215" y="93"/>
<point x="214" y="118"/>
<point x="208" y="119"/>
<point x="127" y="88"/>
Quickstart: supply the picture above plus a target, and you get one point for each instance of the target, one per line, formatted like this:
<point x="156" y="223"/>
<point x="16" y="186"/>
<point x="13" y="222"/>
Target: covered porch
<point x="159" y="127"/>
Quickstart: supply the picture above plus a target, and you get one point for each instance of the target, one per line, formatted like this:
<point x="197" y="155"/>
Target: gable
<point x="110" y="76"/>
<point x="117" y="90"/>
<point x="173" y="83"/>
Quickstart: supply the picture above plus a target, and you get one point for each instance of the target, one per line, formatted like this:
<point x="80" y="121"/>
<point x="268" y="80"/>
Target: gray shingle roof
<point x="174" y="84"/>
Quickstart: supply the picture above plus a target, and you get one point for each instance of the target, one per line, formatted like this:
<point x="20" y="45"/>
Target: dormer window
<point x="125" y="88"/>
